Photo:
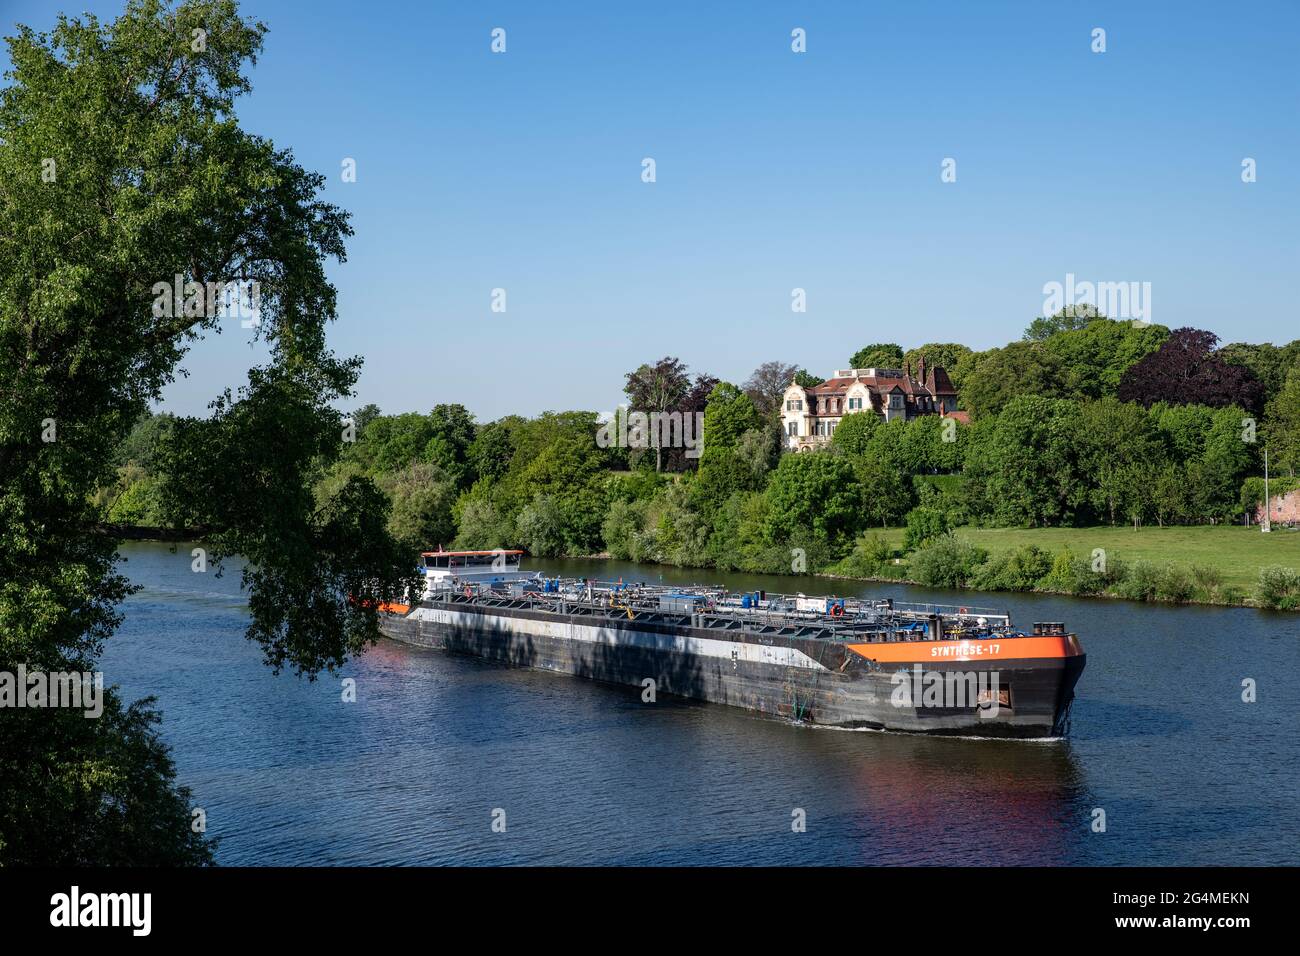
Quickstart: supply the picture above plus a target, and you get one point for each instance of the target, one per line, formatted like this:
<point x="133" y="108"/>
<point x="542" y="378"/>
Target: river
<point x="415" y="769"/>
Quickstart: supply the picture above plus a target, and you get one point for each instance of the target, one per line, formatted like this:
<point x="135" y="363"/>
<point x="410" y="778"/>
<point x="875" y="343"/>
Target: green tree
<point x="1022" y="465"/>
<point x="853" y="434"/>
<point x="154" y="178"/>
<point x="1092" y="360"/>
<point x="1282" y="425"/>
<point x="945" y="355"/>
<point x="1119" y="453"/>
<point x="422" y="500"/>
<point x="1000" y="375"/>
<point x="1069" y="319"/>
<point x="814" y="494"/>
<point x="880" y="355"/>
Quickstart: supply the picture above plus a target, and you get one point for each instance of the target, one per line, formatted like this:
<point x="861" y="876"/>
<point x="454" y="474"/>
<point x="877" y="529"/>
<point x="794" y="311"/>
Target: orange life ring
<point x="962" y="610"/>
<point x="837" y="610"/>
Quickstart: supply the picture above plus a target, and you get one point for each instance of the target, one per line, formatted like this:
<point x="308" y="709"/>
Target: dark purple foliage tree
<point x="1187" y="370"/>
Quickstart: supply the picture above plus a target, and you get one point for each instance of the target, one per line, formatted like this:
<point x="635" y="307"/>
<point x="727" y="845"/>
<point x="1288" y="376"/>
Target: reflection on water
<point x="587" y="774"/>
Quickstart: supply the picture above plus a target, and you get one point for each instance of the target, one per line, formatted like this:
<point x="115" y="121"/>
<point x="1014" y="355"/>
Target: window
<point x="793" y="428"/>
<point x="895" y="401"/>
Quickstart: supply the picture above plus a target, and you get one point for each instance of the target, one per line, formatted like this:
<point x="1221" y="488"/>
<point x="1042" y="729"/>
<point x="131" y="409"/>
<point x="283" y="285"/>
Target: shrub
<point x="1209" y="582"/>
<point x="922" y="525"/>
<point x="620" y="528"/>
<point x="1278" y="588"/>
<point x="1175" y="584"/>
<point x="1072" y="575"/>
<point x="1140" y="584"/>
<point x="1019" y="569"/>
<point x="947" y="561"/>
<point x="870" y="555"/>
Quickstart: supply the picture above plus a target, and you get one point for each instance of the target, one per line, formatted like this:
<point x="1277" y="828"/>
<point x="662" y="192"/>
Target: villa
<point x="809" y="416"/>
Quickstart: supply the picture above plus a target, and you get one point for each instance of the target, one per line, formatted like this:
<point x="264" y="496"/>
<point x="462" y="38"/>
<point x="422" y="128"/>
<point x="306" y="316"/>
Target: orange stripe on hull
<point x="395" y="608"/>
<point x="996" y="649"/>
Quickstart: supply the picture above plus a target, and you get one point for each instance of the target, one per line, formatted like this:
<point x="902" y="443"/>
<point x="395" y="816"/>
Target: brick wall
<point x="1282" y="508"/>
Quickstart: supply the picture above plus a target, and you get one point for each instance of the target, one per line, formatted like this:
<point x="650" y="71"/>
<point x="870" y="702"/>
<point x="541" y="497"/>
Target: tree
<point x="999" y="375"/>
<point x="767" y="384"/>
<point x="658" y="388"/>
<point x="1185" y="370"/>
<point x="1022" y="465"/>
<point x="1093" y="359"/>
<point x="152" y="179"/>
<point x="880" y="355"/>
<point x="1270" y="363"/>
<point x="854" y="432"/>
<point x="1069" y="319"/>
<point x="807" y="379"/>
<point x="943" y="355"/>
<point x="1282" y="425"/>
<point x="421" y="515"/>
<point x="451" y="433"/>
<point x="1119" y="453"/>
<point x="492" y="448"/>
<point x="814" y="494"/>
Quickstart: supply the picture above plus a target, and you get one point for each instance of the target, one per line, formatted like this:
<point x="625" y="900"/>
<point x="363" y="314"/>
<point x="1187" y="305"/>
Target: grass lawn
<point x="1238" y="552"/>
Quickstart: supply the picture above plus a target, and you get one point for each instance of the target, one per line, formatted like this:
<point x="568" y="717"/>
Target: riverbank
<point x="1222" y="565"/>
<point x="1212" y="565"/>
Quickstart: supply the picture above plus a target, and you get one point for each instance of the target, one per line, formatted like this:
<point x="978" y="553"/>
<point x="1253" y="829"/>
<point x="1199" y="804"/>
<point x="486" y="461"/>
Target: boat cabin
<point x="452" y="569"/>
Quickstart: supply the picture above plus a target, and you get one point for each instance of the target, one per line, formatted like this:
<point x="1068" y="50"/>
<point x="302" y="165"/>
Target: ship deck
<point x="756" y="612"/>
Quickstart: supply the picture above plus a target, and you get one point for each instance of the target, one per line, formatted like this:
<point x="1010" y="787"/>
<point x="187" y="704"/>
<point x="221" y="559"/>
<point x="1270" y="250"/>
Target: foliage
<point x="1186" y="370"/>
<point x="1018" y="569"/>
<point x="947" y="561"/>
<point x="156" y="179"/>
<point x="767" y="384"/>
<point x="1072" y="318"/>
<point x="923" y="524"/>
<point x="1278" y="588"/>
<point x="814" y="495"/>
<point x="990" y="380"/>
<point x="880" y="355"/>
<point x="945" y="355"/>
<point x="1282" y="425"/>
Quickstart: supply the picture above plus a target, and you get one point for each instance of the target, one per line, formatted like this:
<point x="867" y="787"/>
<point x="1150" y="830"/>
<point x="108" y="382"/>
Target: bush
<point x="1278" y="588"/>
<point x="924" y="524"/>
<point x="1072" y="575"/>
<point x="1019" y="569"/>
<point x="620" y="528"/>
<point x="1209" y="582"/>
<point x="947" y="562"/>
<point x="870" y="556"/>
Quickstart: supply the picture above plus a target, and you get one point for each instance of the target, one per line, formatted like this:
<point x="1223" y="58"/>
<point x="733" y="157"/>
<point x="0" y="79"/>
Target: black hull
<point x="804" y="679"/>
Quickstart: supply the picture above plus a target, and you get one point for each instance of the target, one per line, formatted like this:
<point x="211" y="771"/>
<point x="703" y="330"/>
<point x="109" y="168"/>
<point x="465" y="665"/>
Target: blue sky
<point x="775" y="170"/>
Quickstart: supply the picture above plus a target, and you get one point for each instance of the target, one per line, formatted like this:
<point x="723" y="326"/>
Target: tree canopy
<point x="101" y="209"/>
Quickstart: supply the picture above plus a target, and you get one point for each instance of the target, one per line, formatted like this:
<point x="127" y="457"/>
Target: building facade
<point x="809" y="416"/>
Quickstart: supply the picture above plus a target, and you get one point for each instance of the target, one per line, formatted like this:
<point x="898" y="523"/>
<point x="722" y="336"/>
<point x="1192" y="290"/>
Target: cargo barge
<point x="841" y="662"/>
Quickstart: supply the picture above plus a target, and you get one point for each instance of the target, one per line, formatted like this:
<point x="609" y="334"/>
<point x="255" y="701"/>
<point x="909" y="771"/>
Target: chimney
<point x="920" y="370"/>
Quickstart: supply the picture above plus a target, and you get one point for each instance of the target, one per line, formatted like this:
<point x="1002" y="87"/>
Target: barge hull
<point x="806" y="679"/>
